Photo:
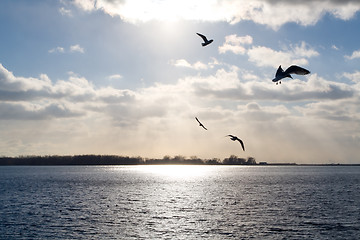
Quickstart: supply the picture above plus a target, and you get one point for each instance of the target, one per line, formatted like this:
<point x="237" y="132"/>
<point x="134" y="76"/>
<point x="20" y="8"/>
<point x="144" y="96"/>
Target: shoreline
<point x="98" y="160"/>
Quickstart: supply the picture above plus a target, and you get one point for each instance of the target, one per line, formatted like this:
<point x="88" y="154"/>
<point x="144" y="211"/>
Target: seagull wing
<point x="203" y="37"/>
<point x="197" y="120"/>
<point x="231" y="136"/>
<point x="242" y="144"/>
<point x="293" y="69"/>
<point x="279" y="72"/>
<point x="201" y="125"/>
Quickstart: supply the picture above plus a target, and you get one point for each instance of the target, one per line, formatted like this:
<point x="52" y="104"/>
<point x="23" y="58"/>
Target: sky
<point x="129" y="77"/>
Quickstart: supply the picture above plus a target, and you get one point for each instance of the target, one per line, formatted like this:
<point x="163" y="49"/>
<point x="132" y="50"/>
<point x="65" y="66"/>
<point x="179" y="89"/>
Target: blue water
<point x="179" y="202"/>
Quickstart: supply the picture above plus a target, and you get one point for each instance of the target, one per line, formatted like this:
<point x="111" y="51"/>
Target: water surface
<point x="179" y="202"/>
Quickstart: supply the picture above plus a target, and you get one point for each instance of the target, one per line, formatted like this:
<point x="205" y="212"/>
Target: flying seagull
<point x="206" y="41"/>
<point x="235" y="138"/>
<point x="200" y="124"/>
<point x="293" y="69"/>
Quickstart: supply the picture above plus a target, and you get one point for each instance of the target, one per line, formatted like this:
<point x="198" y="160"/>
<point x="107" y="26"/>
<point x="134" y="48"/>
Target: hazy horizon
<point x="129" y="78"/>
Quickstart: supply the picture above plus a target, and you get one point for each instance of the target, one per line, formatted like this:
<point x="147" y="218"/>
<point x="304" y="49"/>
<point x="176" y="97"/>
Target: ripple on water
<point x="214" y="203"/>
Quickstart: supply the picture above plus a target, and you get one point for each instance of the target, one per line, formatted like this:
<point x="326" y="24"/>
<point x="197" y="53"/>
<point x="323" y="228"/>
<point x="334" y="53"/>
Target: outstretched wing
<point x="197" y="120"/>
<point x="202" y="36"/>
<point x="231" y="136"/>
<point x="293" y="69"/>
<point x="242" y="144"/>
<point x="279" y="72"/>
<point x="201" y="125"/>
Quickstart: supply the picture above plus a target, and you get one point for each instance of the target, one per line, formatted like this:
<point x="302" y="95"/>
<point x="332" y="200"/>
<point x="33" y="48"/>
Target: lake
<point x="180" y="202"/>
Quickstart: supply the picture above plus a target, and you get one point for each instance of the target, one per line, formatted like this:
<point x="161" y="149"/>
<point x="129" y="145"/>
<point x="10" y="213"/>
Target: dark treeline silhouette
<point x="120" y="160"/>
<point x="234" y="160"/>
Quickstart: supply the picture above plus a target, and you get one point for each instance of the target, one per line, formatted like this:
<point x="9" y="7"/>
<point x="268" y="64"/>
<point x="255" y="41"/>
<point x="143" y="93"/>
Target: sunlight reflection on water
<point x="177" y="171"/>
<point x="179" y="202"/>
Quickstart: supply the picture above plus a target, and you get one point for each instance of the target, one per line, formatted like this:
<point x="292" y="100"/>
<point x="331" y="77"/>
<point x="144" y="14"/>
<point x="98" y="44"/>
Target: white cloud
<point x="304" y="50"/>
<point x="183" y="63"/>
<point x="237" y="84"/>
<point x="250" y="76"/>
<point x="11" y="84"/>
<point x="355" y="76"/>
<point x="76" y="48"/>
<point x="334" y="47"/>
<point x="234" y="44"/>
<point x="264" y="56"/>
<point x="222" y="80"/>
<point x="73" y="116"/>
<point x="65" y="12"/>
<point x="86" y="5"/>
<point x="115" y="77"/>
<point x="273" y="13"/>
<point x="297" y="54"/>
<point x="72" y="48"/>
<point x="355" y="54"/>
<point x="57" y="50"/>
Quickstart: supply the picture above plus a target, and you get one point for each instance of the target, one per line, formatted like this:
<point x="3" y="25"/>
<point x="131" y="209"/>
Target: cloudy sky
<point x="128" y="77"/>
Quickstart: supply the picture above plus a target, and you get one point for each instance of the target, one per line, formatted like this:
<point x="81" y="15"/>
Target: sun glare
<point x="144" y="11"/>
<point x="177" y="171"/>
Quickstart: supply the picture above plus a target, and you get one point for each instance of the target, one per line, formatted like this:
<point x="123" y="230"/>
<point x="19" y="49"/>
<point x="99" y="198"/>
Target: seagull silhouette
<point x="293" y="69"/>
<point x="206" y="41"/>
<point x="200" y="124"/>
<point x="235" y="138"/>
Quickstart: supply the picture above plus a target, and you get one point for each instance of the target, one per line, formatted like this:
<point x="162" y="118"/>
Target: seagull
<point x="293" y="69"/>
<point x="235" y="138"/>
<point x="206" y="42"/>
<point x="200" y="124"/>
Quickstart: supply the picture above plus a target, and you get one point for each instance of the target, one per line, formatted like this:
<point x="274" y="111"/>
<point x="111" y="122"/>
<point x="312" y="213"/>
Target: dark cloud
<point x="28" y="95"/>
<point x="53" y="100"/>
<point x="16" y="111"/>
<point x="261" y="91"/>
<point x="339" y="110"/>
<point x="253" y="106"/>
<point x="332" y="92"/>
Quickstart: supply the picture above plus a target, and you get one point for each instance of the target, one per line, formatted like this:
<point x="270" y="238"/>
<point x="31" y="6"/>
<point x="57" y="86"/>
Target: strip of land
<point x="125" y="160"/>
<point x="120" y="160"/>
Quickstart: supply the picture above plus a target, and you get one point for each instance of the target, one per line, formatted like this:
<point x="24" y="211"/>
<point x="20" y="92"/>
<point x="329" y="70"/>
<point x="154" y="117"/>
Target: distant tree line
<point x="120" y="160"/>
